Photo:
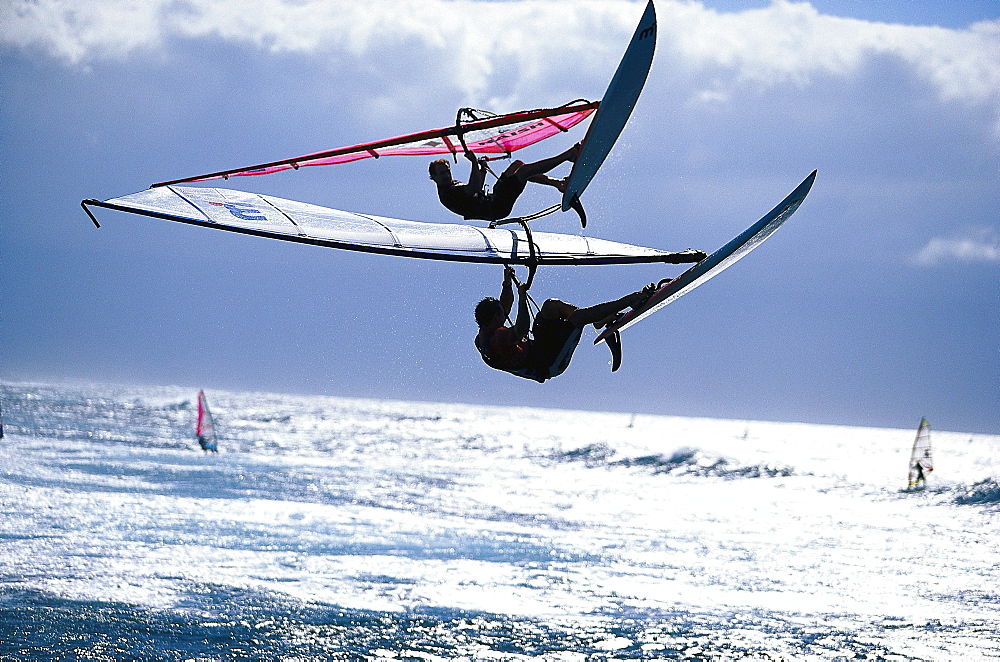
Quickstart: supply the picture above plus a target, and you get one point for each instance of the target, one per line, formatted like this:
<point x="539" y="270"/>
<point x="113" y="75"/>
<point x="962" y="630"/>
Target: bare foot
<point x="639" y="298"/>
<point x="574" y="152"/>
<point x="600" y="324"/>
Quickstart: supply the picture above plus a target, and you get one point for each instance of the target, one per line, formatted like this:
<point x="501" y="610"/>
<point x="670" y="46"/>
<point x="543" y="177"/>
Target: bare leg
<point x="601" y="323"/>
<point x="529" y="170"/>
<point x="548" y="181"/>
<point x="600" y="312"/>
<point x="560" y="185"/>
<point x="556" y="309"/>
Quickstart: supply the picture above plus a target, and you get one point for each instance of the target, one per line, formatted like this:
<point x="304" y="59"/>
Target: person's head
<point x="487" y="310"/>
<point x="440" y="170"/>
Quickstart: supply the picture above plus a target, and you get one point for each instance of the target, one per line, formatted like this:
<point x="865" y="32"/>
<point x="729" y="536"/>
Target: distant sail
<point x="921" y="462"/>
<point x="206" y="426"/>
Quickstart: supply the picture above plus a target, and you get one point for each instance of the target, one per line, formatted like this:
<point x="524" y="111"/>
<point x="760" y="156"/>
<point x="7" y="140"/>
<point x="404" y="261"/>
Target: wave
<point x="212" y="621"/>
<point x="984" y="492"/>
<point x="593" y="455"/>
<point x="684" y="461"/>
<point x="265" y="418"/>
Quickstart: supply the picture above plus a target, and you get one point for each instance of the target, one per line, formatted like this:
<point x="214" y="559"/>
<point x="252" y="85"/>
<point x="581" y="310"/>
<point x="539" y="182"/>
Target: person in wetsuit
<point x="471" y="201"/>
<point x="548" y="349"/>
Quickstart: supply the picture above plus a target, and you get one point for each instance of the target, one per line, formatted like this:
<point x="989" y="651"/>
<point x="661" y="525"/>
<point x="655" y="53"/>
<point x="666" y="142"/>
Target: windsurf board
<point x="715" y="263"/>
<point x="615" y="107"/>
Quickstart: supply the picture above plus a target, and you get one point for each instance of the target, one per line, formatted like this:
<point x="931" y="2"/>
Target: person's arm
<point x="507" y="291"/>
<point x="477" y="178"/>
<point x="523" y="320"/>
<point x="506" y="303"/>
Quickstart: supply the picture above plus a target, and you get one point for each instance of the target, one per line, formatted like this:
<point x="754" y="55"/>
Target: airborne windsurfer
<point x="471" y="201"/>
<point x="547" y="350"/>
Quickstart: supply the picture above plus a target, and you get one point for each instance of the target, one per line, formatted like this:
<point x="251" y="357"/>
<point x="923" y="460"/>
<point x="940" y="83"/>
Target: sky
<point x="876" y="304"/>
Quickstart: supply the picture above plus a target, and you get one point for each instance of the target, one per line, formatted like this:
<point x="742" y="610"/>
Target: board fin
<point x="614" y="343"/>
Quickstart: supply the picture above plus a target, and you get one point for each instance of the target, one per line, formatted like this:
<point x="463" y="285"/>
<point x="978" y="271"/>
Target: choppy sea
<point x="338" y="529"/>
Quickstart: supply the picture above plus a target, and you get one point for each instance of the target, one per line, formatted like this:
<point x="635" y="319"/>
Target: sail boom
<point x="429" y="143"/>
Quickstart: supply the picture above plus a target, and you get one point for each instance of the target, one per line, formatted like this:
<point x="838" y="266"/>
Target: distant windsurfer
<point x="471" y="201"/>
<point x="205" y="427"/>
<point x="920" y="470"/>
<point x="547" y="350"/>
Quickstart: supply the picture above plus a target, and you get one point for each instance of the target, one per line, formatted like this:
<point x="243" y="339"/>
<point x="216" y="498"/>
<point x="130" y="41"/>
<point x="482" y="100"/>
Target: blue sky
<point x="876" y="304"/>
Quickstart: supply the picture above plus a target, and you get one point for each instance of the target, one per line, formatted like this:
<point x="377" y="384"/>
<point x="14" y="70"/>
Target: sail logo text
<point x="242" y="210"/>
<point x="513" y="132"/>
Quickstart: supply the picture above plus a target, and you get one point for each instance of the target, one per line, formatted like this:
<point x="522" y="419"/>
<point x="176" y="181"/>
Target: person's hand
<point x="469" y="154"/>
<point x="508" y="272"/>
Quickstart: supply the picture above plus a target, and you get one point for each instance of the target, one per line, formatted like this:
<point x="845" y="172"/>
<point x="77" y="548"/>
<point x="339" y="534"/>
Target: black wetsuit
<point x="475" y="204"/>
<point x="546" y="355"/>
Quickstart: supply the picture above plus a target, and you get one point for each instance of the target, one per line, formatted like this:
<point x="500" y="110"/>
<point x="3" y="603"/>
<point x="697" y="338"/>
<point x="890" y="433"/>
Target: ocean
<point x="340" y="529"/>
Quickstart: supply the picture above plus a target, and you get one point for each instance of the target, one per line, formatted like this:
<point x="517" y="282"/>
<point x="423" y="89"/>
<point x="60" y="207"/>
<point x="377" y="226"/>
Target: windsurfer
<point x="471" y="201"/>
<point x="547" y="350"/>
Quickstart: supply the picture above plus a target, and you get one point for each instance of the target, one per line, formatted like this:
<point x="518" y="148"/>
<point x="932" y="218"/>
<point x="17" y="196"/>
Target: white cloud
<point x="468" y="43"/>
<point x="974" y="245"/>
<point x="81" y="31"/>
<point x="475" y="43"/>
<point x="792" y="41"/>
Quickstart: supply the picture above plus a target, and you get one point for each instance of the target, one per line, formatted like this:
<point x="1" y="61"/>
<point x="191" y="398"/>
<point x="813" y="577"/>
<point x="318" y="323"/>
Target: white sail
<point x="921" y="461"/>
<point x="267" y="216"/>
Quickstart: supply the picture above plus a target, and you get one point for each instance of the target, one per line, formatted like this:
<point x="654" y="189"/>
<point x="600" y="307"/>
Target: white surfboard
<point x="616" y="107"/>
<point x="715" y="263"/>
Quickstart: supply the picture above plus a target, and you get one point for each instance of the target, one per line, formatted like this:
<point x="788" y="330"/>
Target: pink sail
<point x="205" y="428"/>
<point x="499" y="135"/>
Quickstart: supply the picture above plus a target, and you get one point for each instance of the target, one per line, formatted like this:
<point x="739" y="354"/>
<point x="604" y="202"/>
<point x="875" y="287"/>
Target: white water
<point x="344" y="528"/>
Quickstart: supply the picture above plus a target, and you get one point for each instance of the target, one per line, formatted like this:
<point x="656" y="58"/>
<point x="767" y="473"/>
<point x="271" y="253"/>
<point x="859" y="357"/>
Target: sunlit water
<point x="328" y="528"/>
